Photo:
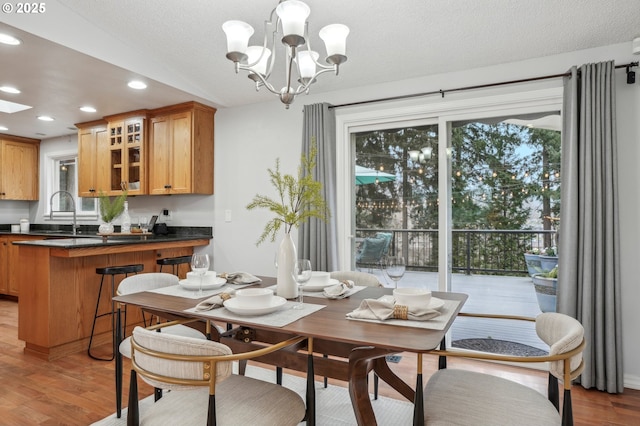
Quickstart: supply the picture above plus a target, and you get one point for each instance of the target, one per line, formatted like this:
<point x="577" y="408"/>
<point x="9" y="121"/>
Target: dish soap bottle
<point x="125" y="228"/>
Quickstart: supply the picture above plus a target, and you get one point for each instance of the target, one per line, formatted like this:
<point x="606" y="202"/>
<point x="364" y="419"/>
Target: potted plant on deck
<point x="298" y="199"/>
<point x="546" y="285"/>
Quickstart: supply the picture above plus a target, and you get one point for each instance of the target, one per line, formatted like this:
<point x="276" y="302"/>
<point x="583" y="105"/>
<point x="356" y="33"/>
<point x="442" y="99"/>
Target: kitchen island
<point x="59" y="286"/>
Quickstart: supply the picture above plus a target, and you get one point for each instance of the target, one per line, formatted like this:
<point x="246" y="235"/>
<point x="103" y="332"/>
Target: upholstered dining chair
<point x="135" y="284"/>
<point x="461" y="397"/>
<point x="203" y="389"/>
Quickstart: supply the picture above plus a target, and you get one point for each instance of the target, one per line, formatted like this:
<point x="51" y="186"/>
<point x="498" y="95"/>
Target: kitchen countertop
<point x="84" y="241"/>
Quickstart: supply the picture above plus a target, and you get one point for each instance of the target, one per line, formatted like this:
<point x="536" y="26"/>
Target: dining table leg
<point x="361" y="361"/>
<point x="118" y="335"/>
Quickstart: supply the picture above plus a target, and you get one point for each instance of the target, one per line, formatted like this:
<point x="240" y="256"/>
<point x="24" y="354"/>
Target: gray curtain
<point x="317" y="240"/>
<point x="589" y="250"/>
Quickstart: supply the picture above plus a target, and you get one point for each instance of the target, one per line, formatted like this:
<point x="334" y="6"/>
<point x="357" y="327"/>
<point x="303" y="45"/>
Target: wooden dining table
<point x="346" y="349"/>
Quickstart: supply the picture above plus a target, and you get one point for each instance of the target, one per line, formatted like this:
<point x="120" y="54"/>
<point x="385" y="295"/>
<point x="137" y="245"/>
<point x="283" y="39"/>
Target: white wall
<point x="249" y="139"/>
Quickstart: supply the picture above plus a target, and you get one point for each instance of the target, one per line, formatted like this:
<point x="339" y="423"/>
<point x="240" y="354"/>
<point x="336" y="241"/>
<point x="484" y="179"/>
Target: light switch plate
<point x="227" y="215"/>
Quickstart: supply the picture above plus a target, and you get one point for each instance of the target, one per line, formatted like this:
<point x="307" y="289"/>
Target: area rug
<point x="496" y="346"/>
<point x="333" y="406"/>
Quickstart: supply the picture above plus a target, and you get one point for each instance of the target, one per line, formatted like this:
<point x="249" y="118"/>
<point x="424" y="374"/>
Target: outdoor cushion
<point x="372" y="250"/>
<point x="387" y="236"/>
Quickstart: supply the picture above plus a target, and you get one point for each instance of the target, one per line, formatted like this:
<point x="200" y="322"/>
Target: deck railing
<point x="492" y="252"/>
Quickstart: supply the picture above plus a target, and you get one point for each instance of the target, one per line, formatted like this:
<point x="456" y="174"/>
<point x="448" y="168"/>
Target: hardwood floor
<point x="77" y="390"/>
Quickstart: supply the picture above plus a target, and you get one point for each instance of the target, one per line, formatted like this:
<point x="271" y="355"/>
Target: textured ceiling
<point x="181" y="46"/>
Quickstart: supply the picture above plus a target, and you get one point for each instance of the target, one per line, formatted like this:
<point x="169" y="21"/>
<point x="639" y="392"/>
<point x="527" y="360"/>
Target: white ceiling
<point x="82" y="52"/>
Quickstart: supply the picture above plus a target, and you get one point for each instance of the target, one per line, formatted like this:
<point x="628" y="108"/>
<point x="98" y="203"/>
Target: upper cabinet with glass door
<point x="126" y="136"/>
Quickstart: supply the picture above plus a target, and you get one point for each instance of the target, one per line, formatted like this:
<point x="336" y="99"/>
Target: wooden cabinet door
<point x="170" y="170"/>
<point x="159" y="155"/>
<point x="180" y="170"/>
<point x="126" y="156"/>
<point x="93" y="149"/>
<point x="20" y="170"/>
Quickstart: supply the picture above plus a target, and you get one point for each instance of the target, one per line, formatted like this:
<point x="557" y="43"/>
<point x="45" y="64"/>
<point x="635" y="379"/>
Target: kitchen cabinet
<point x="19" y="168"/>
<point x="93" y="149"/>
<point x="9" y="283"/>
<point x="126" y="153"/>
<point x="181" y="150"/>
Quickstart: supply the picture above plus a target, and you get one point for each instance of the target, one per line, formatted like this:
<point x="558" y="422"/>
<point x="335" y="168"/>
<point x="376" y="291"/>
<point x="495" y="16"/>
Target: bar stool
<point x="113" y="271"/>
<point x="174" y="262"/>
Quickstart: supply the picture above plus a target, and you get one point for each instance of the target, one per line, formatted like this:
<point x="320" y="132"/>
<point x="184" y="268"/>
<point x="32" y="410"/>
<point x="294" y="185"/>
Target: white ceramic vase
<point x="105" y="228"/>
<point x="287" y="255"/>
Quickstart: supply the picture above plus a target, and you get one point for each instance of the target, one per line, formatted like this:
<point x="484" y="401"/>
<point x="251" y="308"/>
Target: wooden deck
<point x="487" y="294"/>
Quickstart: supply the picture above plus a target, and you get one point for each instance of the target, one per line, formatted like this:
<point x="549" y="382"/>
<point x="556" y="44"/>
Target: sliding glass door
<point x="462" y="190"/>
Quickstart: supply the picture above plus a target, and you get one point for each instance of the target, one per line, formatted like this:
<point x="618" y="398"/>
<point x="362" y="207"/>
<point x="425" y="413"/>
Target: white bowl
<point x="319" y="279"/>
<point x="411" y="296"/>
<point x="254" y="297"/>
<point x="209" y="277"/>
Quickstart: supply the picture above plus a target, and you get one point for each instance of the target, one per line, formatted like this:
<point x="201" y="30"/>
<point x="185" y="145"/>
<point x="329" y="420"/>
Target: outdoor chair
<point x="461" y="397"/>
<point x="203" y="389"/>
<point x="373" y="250"/>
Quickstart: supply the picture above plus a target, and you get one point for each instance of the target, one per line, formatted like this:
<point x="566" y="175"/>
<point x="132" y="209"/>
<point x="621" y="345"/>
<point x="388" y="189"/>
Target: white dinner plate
<point x="217" y="282"/>
<point x="316" y="287"/>
<point x="275" y="303"/>
<point x="434" y="303"/>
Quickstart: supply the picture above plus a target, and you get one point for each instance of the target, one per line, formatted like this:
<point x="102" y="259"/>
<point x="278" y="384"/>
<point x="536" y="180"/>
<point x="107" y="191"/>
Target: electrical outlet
<point x="166" y="215"/>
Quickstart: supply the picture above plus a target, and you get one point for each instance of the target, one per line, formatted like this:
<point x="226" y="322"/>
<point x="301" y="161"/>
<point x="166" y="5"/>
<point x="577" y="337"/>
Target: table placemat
<point x="280" y="318"/>
<point x="177" y="290"/>
<point x="436" y="323"/>
<point x="320" y="294"/>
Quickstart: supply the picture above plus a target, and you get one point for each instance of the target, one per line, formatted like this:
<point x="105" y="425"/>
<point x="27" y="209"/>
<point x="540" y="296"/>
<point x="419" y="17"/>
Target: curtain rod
<point x="459" y="89"/>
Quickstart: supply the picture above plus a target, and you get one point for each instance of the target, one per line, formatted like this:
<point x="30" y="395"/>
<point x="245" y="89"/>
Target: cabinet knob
<point x="167" y="187"/>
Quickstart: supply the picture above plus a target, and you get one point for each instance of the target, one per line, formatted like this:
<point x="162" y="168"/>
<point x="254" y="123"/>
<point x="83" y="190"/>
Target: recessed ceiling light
<point x="137" y="84"/>
<point x="45" y="118"/>
<point x="8" y="39"/>
<point x="9" y="89"/>
<point x="3" y="129"/>
<point x="87" y="109"/>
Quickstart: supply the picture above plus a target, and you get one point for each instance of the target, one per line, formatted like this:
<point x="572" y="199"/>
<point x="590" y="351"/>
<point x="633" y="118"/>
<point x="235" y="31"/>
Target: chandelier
<point x="291" y="27"/>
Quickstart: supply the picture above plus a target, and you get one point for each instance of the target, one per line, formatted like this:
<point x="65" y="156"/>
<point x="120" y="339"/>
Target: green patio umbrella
<point x="366" y="176"/>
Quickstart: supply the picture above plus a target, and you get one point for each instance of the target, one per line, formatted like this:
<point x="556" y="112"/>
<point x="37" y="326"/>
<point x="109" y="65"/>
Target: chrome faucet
<point x="72" y="202"/>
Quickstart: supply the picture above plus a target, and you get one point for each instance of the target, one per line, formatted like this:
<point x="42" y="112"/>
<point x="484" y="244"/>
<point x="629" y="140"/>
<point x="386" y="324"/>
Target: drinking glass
<point x="395" y="267"/>
<point x="143" y="224"/>
<point x="301" y="275"/>
<point x="200" y="265"/>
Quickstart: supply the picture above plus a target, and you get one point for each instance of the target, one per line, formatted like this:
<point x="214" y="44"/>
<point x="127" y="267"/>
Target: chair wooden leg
<point x="133" y="411"/>
<point x="552" y="391"/>
<point x="376" y="380"/>
<point x="311" y="393"/>
<point x="567" y="410"/>
<point x="211" y="414"/>
<point x="326" y="380"/>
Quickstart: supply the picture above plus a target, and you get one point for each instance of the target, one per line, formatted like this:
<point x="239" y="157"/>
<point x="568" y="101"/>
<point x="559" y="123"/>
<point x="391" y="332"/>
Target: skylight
<point x="11" y="107"/>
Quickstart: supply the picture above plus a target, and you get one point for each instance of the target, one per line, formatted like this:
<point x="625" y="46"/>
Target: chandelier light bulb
<point x="414" y="154"/>
<point x="293" y="14"/>
<point x="306" y="61"/>
<point x="257" y="59"/>
<point x="335" y="41"/>
<point x="427" y="151"/>
<point x="238" y="34"/>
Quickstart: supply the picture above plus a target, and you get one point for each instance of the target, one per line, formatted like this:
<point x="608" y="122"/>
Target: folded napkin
<point x="240" y="278"/>
<point x="384" y="309"/>
<point x="215" y="301"/>
<point x="338" y="291"/>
